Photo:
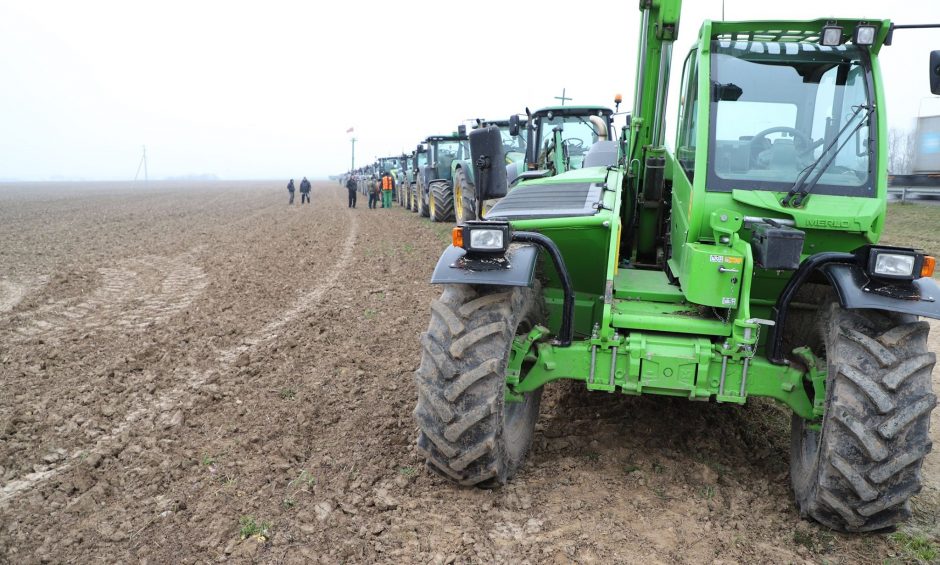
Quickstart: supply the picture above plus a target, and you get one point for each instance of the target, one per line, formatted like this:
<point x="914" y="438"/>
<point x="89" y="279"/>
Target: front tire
<point x="467" y="432"/>
<point x="422" y="202"/>
<point x="858" y="472"/>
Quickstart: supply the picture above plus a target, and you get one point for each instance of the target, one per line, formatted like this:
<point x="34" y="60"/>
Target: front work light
<point x="831" y="35"/>
<point x="485" y="237"/>
<point x="894" y="263"/>
<point x="864" y="35"/>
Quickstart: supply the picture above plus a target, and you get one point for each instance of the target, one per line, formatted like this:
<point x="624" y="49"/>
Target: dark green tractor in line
<point x="435" y="180"/>
<point x="743" y="263"/>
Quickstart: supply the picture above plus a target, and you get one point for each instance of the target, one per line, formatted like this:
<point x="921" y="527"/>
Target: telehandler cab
<point x="744" y="263"/>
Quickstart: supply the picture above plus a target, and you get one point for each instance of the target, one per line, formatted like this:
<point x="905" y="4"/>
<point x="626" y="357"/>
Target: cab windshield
<point x="512" y="143"/>
<point x="578" y="133"/>
<point x="779" y="106"/>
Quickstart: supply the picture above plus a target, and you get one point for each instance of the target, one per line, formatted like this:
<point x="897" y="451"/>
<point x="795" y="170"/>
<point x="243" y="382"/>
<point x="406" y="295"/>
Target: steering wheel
<point x="806" y="141"/>
<point x="574" y="145"/>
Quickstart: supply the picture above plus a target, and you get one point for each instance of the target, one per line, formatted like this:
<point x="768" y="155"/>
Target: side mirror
<point x="514" y="125"/>
<point x="420" y="149"/>
<point x="726" y="92"/>
<point x="489" y="163"/>
<point x="462" y="130"/>
<point x="935" y="72"/>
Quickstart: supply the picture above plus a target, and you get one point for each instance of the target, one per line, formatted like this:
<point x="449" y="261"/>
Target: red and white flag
<point x="349" y="130"/>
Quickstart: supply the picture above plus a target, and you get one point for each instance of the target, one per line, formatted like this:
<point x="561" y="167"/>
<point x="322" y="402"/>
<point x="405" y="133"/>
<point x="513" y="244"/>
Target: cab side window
<point x="688" y="118"/>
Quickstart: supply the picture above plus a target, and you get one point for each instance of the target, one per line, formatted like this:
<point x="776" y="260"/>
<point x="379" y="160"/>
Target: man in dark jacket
<point x="351" y="187"/>
<point x="290" y="188"/>
<point x="305" y="191"/>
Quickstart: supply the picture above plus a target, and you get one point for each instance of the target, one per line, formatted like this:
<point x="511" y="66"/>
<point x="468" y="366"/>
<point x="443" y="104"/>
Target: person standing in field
<point x="375" y="189"/>
<point x="388" y="183"/>
<point x="290" y="188"/>
<point x="305" y="191"/>
<point x="352" y="190"/>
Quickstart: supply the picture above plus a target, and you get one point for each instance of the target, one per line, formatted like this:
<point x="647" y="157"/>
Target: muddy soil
<point x="183" y="366"/>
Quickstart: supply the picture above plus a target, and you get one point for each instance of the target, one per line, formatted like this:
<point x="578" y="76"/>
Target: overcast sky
<point x="268" y="90"/>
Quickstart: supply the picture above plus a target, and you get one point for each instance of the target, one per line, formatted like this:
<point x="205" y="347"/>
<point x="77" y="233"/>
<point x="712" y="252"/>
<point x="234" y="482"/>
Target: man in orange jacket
<point x="388" y="183"/>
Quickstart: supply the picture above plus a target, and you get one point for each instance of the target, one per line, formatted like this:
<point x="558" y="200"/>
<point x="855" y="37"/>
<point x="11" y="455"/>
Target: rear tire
<point x="467" y="432"/>
<point x="442" y="207"/>
<point x="858" y="472"/>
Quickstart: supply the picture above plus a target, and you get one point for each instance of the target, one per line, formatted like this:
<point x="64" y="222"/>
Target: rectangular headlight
<point x="831" y="36"/>
<point x="486" y="237"/>
<point x="864" y="35"/>
<point x="894" y="265"/>
<point x="486" y="240"/>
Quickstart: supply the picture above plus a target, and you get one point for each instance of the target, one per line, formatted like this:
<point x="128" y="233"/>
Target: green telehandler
<point x="744" y="263"/>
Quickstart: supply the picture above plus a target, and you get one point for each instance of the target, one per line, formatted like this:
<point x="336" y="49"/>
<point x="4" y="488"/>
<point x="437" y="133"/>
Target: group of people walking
<point x="377" y="188"/>
<point x="304" y="191"/>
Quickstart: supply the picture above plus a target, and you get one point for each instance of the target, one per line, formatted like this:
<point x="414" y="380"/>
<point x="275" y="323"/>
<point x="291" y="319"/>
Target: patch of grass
<point x="288" y="393"/>
<point x="708" y="492"/>
<point x="658" y="468"/>
<point x="408" y="248"/>
<point x="370" y="313"/>
<point x="288" y="503"/>
<point x="407" y="471"/>
<point x="593" y="456"/>
<point x="249" y="527"/>
<point x="913" y="225"/>
<point x="629" y="468"/>
<point x="816" y="541"/>
<point x="208" y="460"/>
<point x="916" y="547"/>
<point x="304" y="479"/>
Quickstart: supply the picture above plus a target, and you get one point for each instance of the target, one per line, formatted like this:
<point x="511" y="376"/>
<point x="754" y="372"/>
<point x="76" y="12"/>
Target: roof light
<point x="831" y="35"/>
<point x="864" y="35"/>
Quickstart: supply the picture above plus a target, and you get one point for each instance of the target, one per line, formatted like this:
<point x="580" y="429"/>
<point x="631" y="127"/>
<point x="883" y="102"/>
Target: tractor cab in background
<point x="560" y="137"/>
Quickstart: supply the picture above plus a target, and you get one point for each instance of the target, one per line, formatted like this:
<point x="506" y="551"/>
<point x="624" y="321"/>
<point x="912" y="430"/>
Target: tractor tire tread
<point x="876" y="434"/>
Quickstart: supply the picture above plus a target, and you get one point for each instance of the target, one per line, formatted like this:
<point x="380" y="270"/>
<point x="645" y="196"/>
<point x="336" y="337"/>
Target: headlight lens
<point x="864" y="35"/>
<point x="831" y="35"/>
<point x="486" y="240"/>
<point x="894" y="265"/>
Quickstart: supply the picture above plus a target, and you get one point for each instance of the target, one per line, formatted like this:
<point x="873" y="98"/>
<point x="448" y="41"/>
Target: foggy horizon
<point x="245" y="93"/>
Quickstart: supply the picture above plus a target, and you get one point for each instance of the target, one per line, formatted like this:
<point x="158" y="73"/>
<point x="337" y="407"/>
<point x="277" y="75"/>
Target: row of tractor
<point x="741" y="262"/>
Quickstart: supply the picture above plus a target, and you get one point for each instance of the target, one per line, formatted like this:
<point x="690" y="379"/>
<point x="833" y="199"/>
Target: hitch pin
<point x="613" y="364"/>
<point x="747" y="360"/>
<point x="593" y="353"/>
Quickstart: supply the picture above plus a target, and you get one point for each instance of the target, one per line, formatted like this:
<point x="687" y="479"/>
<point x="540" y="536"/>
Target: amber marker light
<point x="926" y="270"/>
<point x="457" y="237"/>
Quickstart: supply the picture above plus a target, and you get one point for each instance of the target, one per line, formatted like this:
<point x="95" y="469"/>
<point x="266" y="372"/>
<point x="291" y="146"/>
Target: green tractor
<point x="435" y="181"/>
<point x="742" y="264"/>
<point x="514" y="146"/>
<point x="419" y="160"/>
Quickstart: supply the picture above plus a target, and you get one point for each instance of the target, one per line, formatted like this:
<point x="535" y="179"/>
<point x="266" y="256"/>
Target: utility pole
<point x="143" y="163"/>
<point x="353" y="167"/>
<point x="562" y="97"/>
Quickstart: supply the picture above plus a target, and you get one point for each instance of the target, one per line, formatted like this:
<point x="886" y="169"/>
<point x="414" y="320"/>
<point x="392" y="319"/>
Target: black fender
<point x="920" y="297"/>
<point x="855" y="289"/>
<point x="515" y="268"/>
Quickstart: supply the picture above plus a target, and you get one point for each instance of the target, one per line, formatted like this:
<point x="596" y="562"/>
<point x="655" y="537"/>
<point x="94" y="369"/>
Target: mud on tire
<point x="468" y="204"/>
<point x="466" y="430"/>
<point x="859" y="471"/>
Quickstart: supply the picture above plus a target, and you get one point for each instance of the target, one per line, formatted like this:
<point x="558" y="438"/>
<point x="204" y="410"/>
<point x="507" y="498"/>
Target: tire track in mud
<point x="160" y="287"/>
<point x="168" y="406"/>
